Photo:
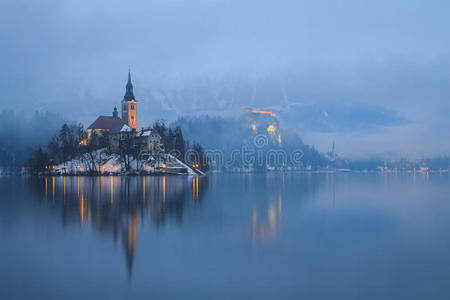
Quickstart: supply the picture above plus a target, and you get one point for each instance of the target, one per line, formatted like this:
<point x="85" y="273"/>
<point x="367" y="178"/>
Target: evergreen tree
<point x="54" y="149"/>
<point x="160" y="127"/>
<point x="201" y="159"/>
<point x="170" y="141"/>
<point x="179" y="143"/>
<point x="38" y="161"/>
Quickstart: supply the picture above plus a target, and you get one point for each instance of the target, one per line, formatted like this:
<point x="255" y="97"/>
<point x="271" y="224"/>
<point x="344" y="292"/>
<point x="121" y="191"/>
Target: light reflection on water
<point x="270" y="235"/>
<point x="122" y="216"/>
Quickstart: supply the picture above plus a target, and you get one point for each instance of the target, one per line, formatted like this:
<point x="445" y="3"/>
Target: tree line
<point x="21" y="133"/>
<point x="175" y="144"/>
<point x="62" y="147"/>
<point x="65" y="146"/>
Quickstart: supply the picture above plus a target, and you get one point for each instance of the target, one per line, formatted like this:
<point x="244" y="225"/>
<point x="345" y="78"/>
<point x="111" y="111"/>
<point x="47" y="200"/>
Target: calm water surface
<point x="257" y="236"/>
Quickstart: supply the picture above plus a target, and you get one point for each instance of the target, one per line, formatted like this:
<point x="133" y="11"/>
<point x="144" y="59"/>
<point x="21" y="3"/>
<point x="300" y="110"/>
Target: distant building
<point x="265" y="123"/>
<point x="120" y="134"/>
<point x="105" y="124"/>
<point x="147" y="140"/>
<point x="129" y="106"/>
<point x="151" y="140"/>
<point x="331" y="155"/>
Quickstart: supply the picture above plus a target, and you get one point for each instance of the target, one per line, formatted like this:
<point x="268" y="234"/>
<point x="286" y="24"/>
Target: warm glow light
<point x="271" y="129"/>
<point x="112" y="190"/>
<point x="82" y="207"/>
<point x="143" y="188"/>
<point x="272" y="218"/>
<point x="53" y="186"/>
<point x="263" y="112"/>
<point x="254" y="127"/>
<point x="280" y="203"/>
<point x="196" y="188"/>
<point x="132" y="233"/>
<point x="64" y="189"/>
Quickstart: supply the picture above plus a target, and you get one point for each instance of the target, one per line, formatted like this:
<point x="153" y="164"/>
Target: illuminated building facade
<point x="129" y="106"/>
<point x="107" y="124"/>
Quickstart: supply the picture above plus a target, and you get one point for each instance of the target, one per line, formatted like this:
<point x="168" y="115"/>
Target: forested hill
<point x="229" y="134"/>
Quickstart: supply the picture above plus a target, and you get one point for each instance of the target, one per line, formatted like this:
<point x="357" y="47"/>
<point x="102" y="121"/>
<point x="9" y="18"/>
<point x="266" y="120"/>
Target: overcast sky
<point x="345" y="63"/>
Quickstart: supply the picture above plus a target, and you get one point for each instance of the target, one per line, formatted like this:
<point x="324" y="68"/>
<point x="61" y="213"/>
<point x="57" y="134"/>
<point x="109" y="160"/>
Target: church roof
<point x="129" y="90"/>
<point x="147" y="132"/>
<point x="106" y="122"/>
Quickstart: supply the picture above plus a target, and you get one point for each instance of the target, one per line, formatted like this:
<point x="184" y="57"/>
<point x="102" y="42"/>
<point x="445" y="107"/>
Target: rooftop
<point x="106" y="122"/>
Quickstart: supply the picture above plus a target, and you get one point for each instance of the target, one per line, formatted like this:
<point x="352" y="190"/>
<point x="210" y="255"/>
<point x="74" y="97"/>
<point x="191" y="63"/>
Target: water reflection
<point x="130" y="239"/>
<point x="258" y="236"/>
<point x="267" y="213"/>
<point x="266" y="218"/>
<point x="116" y="205"/>
<point x="264" y="195"/>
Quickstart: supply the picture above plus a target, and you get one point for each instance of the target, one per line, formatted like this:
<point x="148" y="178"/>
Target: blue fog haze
<point x="372" y="76"/>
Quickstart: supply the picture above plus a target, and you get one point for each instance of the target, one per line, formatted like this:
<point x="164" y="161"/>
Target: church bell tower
<point x="129" y="105"/>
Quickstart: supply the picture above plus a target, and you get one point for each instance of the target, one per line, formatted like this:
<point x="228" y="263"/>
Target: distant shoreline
<point x="157" y="174"/>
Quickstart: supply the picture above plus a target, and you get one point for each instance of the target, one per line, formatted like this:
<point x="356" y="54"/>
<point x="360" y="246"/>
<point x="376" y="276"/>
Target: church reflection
<point x="125" y="207"/>
<point x="116" y="206"/>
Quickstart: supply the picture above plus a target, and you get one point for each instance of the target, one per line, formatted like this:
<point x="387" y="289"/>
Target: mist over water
<point x="256" y="235"/>
<point x="322" y="128"/>
<point x="373" y="77"/>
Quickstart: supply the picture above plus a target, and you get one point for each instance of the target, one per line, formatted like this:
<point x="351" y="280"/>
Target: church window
<point x="132" y="106"/>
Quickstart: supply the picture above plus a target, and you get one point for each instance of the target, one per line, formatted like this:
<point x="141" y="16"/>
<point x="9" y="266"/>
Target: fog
<point x="371" y="76"/>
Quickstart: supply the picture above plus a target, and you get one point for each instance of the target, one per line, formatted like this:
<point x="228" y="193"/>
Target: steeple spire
<point x="129" y="105"/>
<point x="129" y="89"/>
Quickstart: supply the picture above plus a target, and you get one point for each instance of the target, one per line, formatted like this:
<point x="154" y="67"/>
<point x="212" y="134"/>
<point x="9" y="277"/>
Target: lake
<point x="226" y="236"/>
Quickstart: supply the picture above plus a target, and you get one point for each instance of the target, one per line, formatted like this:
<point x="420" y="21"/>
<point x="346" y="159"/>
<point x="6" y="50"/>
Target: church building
<point x="106" y="124"/>
<point x="129" y="105"/>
